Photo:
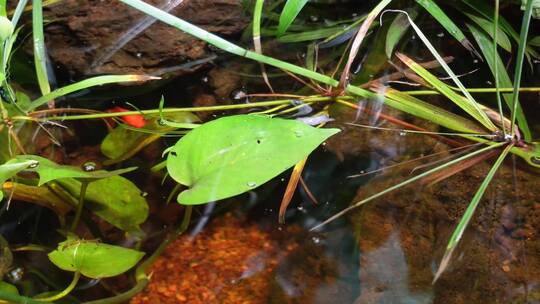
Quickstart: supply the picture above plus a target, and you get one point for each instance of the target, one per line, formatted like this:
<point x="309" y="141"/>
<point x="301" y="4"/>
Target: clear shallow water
<point x="386" y="252"/>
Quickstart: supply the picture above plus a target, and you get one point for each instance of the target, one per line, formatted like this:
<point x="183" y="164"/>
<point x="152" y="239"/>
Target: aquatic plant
<point x="500" y="133"/>
<point x="217" y="163"/>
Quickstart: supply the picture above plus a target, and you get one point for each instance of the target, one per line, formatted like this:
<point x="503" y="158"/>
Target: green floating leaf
<point x="487" y="26"/>
<point x="49" y="170"/>
<point x="235" y="154"/>
<point x="115" y="199"/>
<point x="122" y="143"/>
<point x="291" y="9"/>
<point x="11" y="168"/>
<point x="94" y="260"/>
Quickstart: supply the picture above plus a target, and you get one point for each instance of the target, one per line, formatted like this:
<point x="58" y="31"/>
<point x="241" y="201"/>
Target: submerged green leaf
<point x="123" y="142"/>
<point x="94" y="260"/>
<point x="487" y="26"/>
<point x="397" y="29"/>
<point x="468" y="105"/>
<point x="235" y="154"/>
<point x="504" y="79"/>
<point x="291" y="9"/>
<point x="446" y="22"/>
<point x="115" y="199"/>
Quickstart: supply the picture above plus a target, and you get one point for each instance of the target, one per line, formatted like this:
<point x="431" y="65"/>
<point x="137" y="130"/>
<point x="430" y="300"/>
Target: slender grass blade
<point x="488" y="26"/>
<point x="464" y="221"/>
<point x="39" y="47"/>
<point x="470" y="107"/>
<point x="291" y="9"/>
<point x="449" y="25"/>
<point x="519" y="61"/>
<point x="472" y="102"/>
<point x="503" y="80"/>
<point x="87" y="83"/>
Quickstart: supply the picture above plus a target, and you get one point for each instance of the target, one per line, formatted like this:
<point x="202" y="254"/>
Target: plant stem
<point x="15" y="298"/>
<point x="475" y="90"/>
<point x="171" y="110"/>
<point x="75" y="223"/>
<point x="64" y="292"/>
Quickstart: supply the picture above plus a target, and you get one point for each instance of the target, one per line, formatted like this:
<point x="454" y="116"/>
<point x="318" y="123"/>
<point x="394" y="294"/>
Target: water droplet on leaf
<point x="89" y="166"/>
<point x="251" y="184"/>
<point x="33" y="164"/>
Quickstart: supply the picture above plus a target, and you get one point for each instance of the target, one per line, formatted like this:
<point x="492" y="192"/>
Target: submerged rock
<point x="403" y="235"/>
<point x="97" y="37"/>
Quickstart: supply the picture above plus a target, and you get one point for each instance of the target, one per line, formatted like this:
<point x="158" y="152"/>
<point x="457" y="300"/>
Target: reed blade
<point x="519" y="61"/>
<point x="466" y="218"/>
<point x="40" y="58"/>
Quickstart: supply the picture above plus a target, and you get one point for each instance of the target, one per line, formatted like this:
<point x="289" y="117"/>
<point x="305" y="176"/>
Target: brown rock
<point x="86" y="36"/>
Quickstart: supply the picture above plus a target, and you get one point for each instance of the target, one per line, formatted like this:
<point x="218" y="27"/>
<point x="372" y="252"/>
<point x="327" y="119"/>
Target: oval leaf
<point x="115" y="199"/>
<point x="235" y="154"/>
<point x="94" y="260"/>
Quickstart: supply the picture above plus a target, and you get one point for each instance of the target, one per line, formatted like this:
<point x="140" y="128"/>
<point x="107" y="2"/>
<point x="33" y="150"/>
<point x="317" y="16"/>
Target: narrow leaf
<point x="487" y="26"/>
<point x="525" y="23"/>
<point x="504" y="79"/>
<point x="466" y="218"/>
<point x="482" y="117"/>
<point x="87" y="83"/>
<point x="467" y="105"/>
<point x="291" y="9"/>
<point x="40" y="57"/>
<point x="397" y="29"/>
<point x="449" y="25"/>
